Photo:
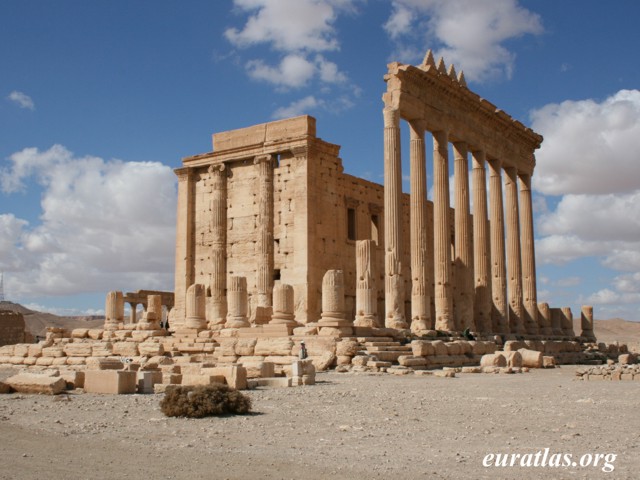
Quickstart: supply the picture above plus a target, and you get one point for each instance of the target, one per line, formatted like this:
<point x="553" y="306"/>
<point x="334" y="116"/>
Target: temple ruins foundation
<point x="276" y="245"/>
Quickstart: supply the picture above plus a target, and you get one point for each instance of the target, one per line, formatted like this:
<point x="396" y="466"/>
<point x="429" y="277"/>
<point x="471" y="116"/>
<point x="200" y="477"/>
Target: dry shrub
<point x="202" y="401"/>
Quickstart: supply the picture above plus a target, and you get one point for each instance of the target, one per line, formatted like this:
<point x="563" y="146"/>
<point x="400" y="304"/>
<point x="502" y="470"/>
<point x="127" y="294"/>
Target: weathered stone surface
<point x="531" y="358"/>
<point x="493" y="360"/>
<point x="324" y="361"/>
<point x="245" y="346"/>
<point x="273" y="346"/>
<point x="347" y="348"/>
<point x="125" y="349"/>
<point x="151" y="349"/>
<point x="78" y="349"/>
<point x="422" y="348"/>
<point x="33" y="383"/>
<point x="110" y="382"/>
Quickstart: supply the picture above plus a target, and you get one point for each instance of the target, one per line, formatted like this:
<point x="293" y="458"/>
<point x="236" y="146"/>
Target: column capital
<point x="478" y="159"/>
<point x="262" y="158"/>
<point x="216" y="168"/>
<point x="391" y="117"/>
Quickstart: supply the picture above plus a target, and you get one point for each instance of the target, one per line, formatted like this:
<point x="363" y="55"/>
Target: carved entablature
<point x="441" y="99"/>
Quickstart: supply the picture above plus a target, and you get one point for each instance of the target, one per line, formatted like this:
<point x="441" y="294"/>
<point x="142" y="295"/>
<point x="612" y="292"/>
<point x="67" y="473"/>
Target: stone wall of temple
<point x="12" y="327"/>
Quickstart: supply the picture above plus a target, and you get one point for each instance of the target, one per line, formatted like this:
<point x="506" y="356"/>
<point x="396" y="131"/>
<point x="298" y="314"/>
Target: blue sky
<point x="100" y="100"/>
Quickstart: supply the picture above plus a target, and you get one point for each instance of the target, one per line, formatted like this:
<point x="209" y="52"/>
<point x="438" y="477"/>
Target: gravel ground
<point x="347" y="426"/>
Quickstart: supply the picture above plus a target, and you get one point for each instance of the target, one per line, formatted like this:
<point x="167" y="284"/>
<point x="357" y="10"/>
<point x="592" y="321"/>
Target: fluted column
<point x="514" y="262"/>
<point x="463" y="240"/>
<point x="185" y="244"/>
<point x="567" y="322"/>
<point x="218" y="177"/>
<point x="394" y="283"/>
<point x="237" y="307"/>
<point x="265" y="230"/>
<point x="586" y="323"/>
<point x="366" y="291"/>
<point x="499" y="318"/>
<point x="114" y="310"/>
<point x="481" y="253"/>
<point x="283" y="305"/>
<point x="196" y="307"/>
<point x="544" y="316"/>
<point x="133" y="313"/>
<point x="420" y="297"/>
<point x="529" y="292"/>
<point x="442" y="233"/>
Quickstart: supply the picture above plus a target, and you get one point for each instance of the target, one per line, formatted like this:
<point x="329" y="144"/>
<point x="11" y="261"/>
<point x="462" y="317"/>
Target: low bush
<point x="203" y="401"/>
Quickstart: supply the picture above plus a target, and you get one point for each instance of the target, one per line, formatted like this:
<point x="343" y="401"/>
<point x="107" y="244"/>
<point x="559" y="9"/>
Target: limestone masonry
<point x="276" y="245"/>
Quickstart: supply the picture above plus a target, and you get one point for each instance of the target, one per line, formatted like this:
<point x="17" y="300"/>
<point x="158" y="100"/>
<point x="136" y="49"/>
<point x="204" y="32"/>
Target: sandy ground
<point x="348" y="426"/>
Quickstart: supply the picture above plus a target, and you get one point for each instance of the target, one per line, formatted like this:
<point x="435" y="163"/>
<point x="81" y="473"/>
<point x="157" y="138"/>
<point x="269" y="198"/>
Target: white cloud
<point x="299" y="107"/>
<point x="294" y="71"/>
<point x="589" y="147"/>
<point x="288" y="25"/>
<point x="300" y="30"/>
<point x="22" y="100"/>
<point x="104" y="225"/>
<point x="471" y="32"/>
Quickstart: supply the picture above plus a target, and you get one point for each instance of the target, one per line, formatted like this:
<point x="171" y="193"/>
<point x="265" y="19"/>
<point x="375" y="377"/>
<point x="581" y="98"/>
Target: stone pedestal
<point x="366" y="297"/>
<point x="237" y="303"/>
<point x="333" y="305"/>
<point x="586" y="323"/>
<point x="196" y="307"/>
<point x="283" y="305"/>
<point x="114" y="311"/>
<point x="149" y="321"/>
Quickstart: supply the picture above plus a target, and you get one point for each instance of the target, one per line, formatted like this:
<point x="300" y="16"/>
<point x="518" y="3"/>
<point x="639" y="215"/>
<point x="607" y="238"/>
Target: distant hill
<point x="37" y="322"/>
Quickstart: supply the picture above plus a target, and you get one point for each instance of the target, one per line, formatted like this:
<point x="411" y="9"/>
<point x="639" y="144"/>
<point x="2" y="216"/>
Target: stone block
<point x="73" y="379"/>
<point x="78" y="349"/>
<point x="110" y="381"/>
<point x="44" y="361"/>
<point x="347" y="348"/>
<point x="104" y="363"/>
<point x="102" y="349"/>
<point x="324" y="361"/>
<point x="125" y="349"/>
<point x="195" y="379"/>
<point x="548" y="361"/>
<point x="514" y="359"/>
<point x="151" y="349"/>
<point x="626" y="359"/>
<point x="412" y="361"/>
<point x="34" y="383"/>
<point x="6" y="350"/>
<point x="493" y="360"/>
<point x="316" y="346"/>
<point x="440" y="348"/>
<point x="259" y="369"/>
<point x="513" y="345"/>
<point x="244" y="347"/>
<point x="305" y="331"/>
<point x="275" y="382"/>
<point x="146" y="381"/>
<point x="453" y="348"/>
<point x="95" y="333"/>
<point x="444" y="373"/>
<point x="422" y="348"/>
<point x="21" y="350"/>
<point x="53" y="352"/>
<point x="172" y="378"/>
<point x="80" y="333"/>
<point x="16" y="360"/>
<point x="531" y="358"/>
<point x="273" y="346"/>
<point x="235" y="376"/>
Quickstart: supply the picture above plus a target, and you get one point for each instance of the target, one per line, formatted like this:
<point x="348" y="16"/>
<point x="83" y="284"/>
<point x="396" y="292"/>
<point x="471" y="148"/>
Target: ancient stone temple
<point x="277" y="247"/>
<point x="272" y="204"/>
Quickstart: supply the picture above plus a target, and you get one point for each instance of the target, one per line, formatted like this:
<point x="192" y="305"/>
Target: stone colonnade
<point x="480" y="281"/>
